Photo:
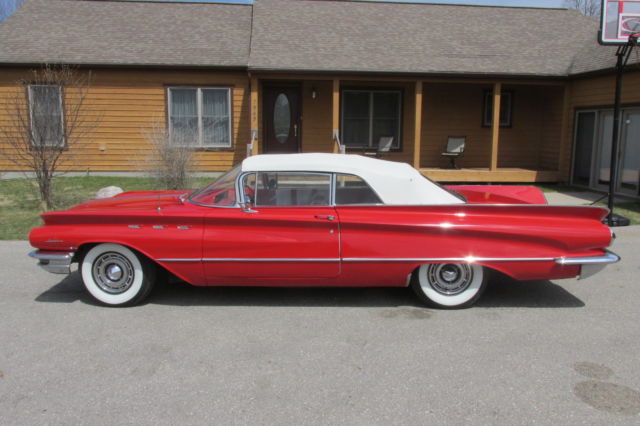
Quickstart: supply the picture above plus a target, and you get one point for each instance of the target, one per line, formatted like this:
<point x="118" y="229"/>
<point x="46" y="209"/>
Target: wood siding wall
<point x="455" y="109"/>
<point x="129" y="103"/>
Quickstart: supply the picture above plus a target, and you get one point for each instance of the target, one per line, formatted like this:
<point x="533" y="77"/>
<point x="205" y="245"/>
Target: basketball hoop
<point x="619" y="26"/>
<point x="619" y="22"/>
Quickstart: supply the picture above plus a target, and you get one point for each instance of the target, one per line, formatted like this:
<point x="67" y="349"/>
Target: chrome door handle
<point x="295" y="130"/>
<point x="325" y="217"/>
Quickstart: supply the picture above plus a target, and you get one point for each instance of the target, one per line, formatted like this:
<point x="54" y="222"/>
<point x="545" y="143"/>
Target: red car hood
<point x="133" y="200"/>
<point x="500" y="194"/>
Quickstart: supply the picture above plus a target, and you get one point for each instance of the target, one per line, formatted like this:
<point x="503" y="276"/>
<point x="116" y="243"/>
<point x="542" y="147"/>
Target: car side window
<point x="351" y="189"/>
<point x="291" y="189"/>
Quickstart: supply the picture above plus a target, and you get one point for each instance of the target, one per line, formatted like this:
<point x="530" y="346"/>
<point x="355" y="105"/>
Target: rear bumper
<point x="56" y="262"/>
<point x="590" y="265"/>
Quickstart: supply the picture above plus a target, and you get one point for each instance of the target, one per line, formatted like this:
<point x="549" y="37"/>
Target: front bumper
<point x="56" y="262"/>
<point x="590" y="265"/>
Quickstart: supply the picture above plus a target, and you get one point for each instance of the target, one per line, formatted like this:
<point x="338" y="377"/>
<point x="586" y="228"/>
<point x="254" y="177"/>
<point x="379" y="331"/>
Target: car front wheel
<point x="449" y="285"/>
<point x="116" y="276"/>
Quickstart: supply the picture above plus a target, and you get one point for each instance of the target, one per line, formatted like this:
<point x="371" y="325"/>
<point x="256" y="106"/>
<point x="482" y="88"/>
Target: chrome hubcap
<point x="450" y="278"/>
<point x="113" y="273"/>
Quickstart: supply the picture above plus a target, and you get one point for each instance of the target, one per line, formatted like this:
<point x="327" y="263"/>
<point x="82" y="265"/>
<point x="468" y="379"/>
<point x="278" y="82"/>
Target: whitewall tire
<point x="449" y="285"/>
<point x="116" y="276"/>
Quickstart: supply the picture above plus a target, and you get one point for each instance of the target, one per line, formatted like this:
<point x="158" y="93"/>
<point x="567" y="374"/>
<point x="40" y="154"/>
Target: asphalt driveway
<point x="563" y="352"/>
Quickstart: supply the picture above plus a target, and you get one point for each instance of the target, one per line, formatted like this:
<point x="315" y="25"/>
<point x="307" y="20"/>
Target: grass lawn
<point x="629" y="209"/>
<point x="20" y="206"/>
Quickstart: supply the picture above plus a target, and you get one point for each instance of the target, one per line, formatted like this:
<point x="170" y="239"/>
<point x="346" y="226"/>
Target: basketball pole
<point x="622" y="54"/>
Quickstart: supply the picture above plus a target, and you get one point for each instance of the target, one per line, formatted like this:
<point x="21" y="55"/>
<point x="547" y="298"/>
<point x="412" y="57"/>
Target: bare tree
<point x="587" y="7"/>
<point x="7" y="7"/>
<point x="170" y="163"/>
<point x="46" y="124"/>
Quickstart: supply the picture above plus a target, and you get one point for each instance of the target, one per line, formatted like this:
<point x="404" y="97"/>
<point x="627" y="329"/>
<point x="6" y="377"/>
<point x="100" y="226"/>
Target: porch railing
<point x="338" y="147"/>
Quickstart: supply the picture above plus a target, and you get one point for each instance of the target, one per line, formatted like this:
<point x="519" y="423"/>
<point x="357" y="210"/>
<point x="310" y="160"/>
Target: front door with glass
<point x="281" y="115"/>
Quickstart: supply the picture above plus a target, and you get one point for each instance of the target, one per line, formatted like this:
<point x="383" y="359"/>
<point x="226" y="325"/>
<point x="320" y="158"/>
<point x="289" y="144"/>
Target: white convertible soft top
<point x="396" y="183"/>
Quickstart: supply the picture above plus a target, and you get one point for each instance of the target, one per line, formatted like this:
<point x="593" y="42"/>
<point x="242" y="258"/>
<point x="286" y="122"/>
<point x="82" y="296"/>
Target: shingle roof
<point x="306" y="35"/>
<point x="415" y="38"/>
<point x="594" y="57"/>
<point x="127" y="33"/>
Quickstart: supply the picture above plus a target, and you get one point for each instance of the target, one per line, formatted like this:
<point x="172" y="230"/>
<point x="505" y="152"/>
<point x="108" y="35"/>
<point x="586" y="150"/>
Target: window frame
<point x="200" y="145"/>
<point x="241" y="196"/>
<point x="397" y="145"/>
<point x="330" y="201"/>
<point x="487" y="108"/>
<point x="335" y="191"/>
<point x="31" y="97"/>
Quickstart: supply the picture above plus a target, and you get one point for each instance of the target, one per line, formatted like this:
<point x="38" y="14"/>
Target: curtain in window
<point x="215" y="117"/>
<point x="46" y="115"/>
<point x="184" y="116"/>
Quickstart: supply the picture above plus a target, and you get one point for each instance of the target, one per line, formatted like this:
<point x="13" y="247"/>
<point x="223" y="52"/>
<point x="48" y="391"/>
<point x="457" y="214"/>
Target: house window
<point x="200" y="117"/>
<point x="506" y="107"/>
<point x="370" y="117"/>
<point x="45" y="111"/>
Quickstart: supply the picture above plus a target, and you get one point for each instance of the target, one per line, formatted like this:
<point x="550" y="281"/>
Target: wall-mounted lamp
<point x="314" y="94"/>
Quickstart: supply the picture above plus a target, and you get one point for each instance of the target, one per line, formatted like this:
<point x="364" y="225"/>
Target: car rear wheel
<point x="449" y="285"/>
<point x="116" y="276"/>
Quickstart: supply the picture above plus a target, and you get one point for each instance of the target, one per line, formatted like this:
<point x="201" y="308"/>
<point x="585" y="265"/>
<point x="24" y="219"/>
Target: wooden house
<point x="528" y="91"/>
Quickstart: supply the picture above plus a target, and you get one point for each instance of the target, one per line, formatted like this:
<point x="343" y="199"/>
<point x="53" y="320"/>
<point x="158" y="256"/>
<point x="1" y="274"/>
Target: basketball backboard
<point x="618" y="21"/>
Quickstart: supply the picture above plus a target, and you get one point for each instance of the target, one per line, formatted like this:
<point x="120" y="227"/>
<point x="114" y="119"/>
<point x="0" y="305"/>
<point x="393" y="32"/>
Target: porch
<point x="514" y="130"/>
<point x="485" y="175"/>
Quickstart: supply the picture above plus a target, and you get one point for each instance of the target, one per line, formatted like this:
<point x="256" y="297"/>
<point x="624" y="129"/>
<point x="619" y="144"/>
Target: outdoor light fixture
<point x="314" y="94"/>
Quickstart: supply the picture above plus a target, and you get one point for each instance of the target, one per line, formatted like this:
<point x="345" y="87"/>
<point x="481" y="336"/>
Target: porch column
<point x="417" y="125"/>
<point x="254" y="116"/>
<point x="495" y="125"/>
<point x="564" y="155"/>
<point x="335" y="109"/>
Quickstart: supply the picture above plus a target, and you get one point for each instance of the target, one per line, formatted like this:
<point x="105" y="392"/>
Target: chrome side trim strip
<point x="469" y="259"/>
<point x="238" y="259"/>
<point x="179" y="260"/>
<point x="271" y="260"/>
<point x="56" y="262"/>
<point x="609" y="257"/>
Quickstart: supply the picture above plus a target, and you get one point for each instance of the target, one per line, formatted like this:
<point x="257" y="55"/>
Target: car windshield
<point x="222" y="192"/>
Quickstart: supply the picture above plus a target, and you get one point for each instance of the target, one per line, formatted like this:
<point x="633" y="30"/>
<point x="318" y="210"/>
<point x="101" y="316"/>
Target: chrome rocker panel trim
<point x="590" y="265"/>
<point x="56" y="262"/>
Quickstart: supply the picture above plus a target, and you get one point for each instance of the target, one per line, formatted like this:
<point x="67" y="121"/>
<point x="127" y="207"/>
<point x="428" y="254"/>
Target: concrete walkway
<point x="574" y="197"/>
<point x="570" y="198"/>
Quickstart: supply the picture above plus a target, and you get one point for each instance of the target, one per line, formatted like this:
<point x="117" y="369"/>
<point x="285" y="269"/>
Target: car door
<point x="287" y="230"/>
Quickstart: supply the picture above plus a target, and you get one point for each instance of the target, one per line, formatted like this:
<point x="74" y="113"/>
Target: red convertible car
<point x="323" y="220"/>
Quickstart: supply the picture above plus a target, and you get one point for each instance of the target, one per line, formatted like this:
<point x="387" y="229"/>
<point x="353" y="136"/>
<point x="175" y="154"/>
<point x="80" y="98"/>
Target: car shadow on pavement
<point x="501" y="292"/>
<point x="504" y="291"/>
<point x="69" y="290"/>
